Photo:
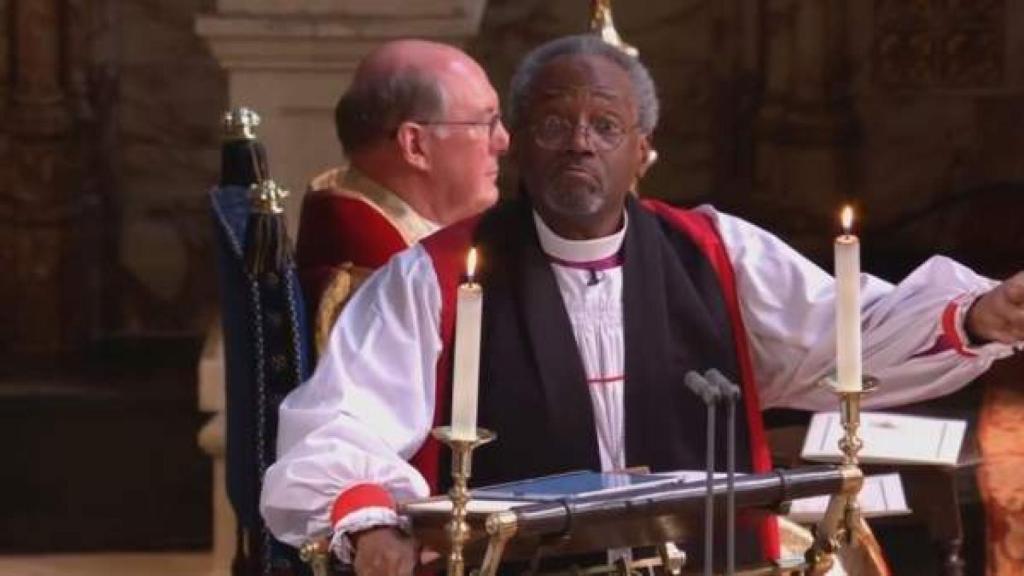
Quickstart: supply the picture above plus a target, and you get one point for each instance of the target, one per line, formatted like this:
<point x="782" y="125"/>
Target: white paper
<point x="697" y="475"/>
<point x="881" y="495"/>
<point x="473" y="506"/>
<point x="888" y="439"/>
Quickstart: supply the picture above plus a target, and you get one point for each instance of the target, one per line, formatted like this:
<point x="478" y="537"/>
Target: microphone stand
<point x="709" y="393"/>
<point x="730" y="393"/>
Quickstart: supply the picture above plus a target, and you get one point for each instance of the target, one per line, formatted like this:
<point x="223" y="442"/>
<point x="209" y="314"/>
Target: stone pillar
<point x="5" y="179"/>
<point x="806" y="125"/>
<point x="290" y="61"/>
<point x="40" y="206"/>
<point x="5" y="64"/>
<point x="211" y="439"/>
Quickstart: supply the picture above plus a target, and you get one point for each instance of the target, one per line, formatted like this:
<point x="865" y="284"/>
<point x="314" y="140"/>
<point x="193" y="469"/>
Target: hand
<point x="998" y="315"/>
<point x="384" y="551"/>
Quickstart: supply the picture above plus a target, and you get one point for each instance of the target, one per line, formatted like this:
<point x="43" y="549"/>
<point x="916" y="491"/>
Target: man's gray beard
<point x="577" y="201"/>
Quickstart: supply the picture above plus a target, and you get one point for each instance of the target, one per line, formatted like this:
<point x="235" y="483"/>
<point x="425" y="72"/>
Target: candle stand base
<point x="462" y="468"/>
<point x="842" y="520"/>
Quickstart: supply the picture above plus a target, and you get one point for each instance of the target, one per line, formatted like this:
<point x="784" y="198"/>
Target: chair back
<point x="266" y="343"/>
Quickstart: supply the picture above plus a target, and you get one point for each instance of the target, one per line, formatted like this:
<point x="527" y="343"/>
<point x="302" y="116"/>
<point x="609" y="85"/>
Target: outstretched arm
<point x="913" y="332"/>
<point x="998" y="315"/>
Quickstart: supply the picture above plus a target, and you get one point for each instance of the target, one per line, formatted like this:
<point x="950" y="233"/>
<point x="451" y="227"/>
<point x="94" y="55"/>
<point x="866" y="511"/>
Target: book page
<point x="881" y="495"/>
<point x="473" y="506"/>
<point x="569" y="485"/>
<point x="888" y="439"/>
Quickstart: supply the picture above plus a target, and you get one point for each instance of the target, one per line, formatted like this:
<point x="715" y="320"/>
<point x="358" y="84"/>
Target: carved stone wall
<point x="170" y="96"/>
<point x="928" y="45"/>
<point x="778" y="110"/>
<point x="939" y="92"/>
<point x="6" y="254"/>
<point x="40" y="208"/>
<point x="782" y="110"/>
<point x="109" y="143"/>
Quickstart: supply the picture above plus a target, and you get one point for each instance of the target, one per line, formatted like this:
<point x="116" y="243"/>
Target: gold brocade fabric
<point x="1001" y="474"/>
<point x="342" y="286"/>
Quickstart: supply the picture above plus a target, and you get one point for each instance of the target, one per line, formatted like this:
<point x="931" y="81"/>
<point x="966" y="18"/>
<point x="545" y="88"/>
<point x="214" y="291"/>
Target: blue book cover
<point x="569" y="485"/>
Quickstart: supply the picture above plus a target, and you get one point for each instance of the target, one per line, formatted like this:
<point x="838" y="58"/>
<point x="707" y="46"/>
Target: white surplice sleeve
<point x="345" y="434"/>
<point x="913" y="338"/>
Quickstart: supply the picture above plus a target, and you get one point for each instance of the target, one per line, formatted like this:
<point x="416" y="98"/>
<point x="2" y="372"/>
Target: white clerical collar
<point x="579" y="251"/>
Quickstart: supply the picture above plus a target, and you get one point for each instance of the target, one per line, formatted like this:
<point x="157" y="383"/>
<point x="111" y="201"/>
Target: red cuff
<point x="360" y="496"/>
<point x="951" y="329"/>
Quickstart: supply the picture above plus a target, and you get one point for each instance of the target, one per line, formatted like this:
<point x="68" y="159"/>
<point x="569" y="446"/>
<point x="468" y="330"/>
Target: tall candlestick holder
<point x="462" y="468"/>
<point x="850" y="445"/>
<point x="842" y="521"/>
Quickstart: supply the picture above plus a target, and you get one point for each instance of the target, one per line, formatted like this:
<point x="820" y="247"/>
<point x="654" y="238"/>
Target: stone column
<point x="5" y="64"/>
<point x="212" y="440"/>
<point x="290" y="61"/>
<point x="806" y="126"/>
<point x="39" y="206"/>
<point x="5" y="179"/>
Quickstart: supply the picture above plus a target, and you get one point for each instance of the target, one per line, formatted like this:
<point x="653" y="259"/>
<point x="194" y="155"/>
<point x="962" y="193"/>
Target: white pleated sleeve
<point x="368" y="407"/>
<point x="787" y="304"/>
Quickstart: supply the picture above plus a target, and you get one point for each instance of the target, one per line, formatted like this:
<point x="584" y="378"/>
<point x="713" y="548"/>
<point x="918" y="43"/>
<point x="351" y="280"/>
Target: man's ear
<point x="413" y="144"/>
<point x="647" y="157"/>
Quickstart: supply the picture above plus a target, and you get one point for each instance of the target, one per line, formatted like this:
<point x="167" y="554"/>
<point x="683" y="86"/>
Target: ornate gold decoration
<point x="343" y="283"/>
<point x="317" y="554"/>
<point x="240" y="124"/>
<point x="601" y="23"/>
<point x="501" y="527"/>
<point x="267" y="197"/>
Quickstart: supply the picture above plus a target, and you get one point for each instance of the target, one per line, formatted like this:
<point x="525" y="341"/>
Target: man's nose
<point x="579" y="138"/>
<point x="500" y="141"/>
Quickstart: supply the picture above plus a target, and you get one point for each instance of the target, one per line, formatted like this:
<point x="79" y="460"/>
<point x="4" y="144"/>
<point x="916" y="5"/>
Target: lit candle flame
<point x="847" y="219"/>
<point x="470" y="265"/>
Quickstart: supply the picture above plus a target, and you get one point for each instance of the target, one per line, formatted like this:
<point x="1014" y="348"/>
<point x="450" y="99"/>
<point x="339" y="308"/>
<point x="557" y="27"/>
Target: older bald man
<point x="422" y="129"/>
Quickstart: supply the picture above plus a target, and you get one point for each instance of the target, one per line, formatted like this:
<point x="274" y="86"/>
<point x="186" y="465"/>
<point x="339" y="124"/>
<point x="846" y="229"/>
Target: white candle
<point x="465" y="380"/>
<point x="848" y="346"/>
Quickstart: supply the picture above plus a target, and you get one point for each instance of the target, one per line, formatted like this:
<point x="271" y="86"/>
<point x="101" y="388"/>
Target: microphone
<point x="730" y="393"/>
<point x="710" y="395"/>
<point x="595" y="277"/>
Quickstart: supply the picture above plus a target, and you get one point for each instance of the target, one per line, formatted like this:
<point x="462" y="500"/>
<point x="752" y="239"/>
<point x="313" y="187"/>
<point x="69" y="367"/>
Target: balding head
<point x="422" y="120"/>
<point x="399" y="81"/>
<point x="410" y="55"/>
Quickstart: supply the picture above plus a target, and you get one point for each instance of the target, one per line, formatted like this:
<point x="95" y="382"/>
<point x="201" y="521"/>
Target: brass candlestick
<point x="842" y="520"/>
<point x="601" y="24"/>
<point x="462" y="468"/>
<point x="850" y="445"/>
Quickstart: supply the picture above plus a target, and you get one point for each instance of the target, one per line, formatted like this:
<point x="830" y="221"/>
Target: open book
<point x="881" y="495"/>
<point x="888" y="439"/>
<point x="567" y="486"/>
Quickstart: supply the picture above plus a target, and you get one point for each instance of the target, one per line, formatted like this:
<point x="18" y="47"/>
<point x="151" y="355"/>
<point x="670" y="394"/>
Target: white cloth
<point x="593" y="302"/>
<point x="369" y="405"/>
